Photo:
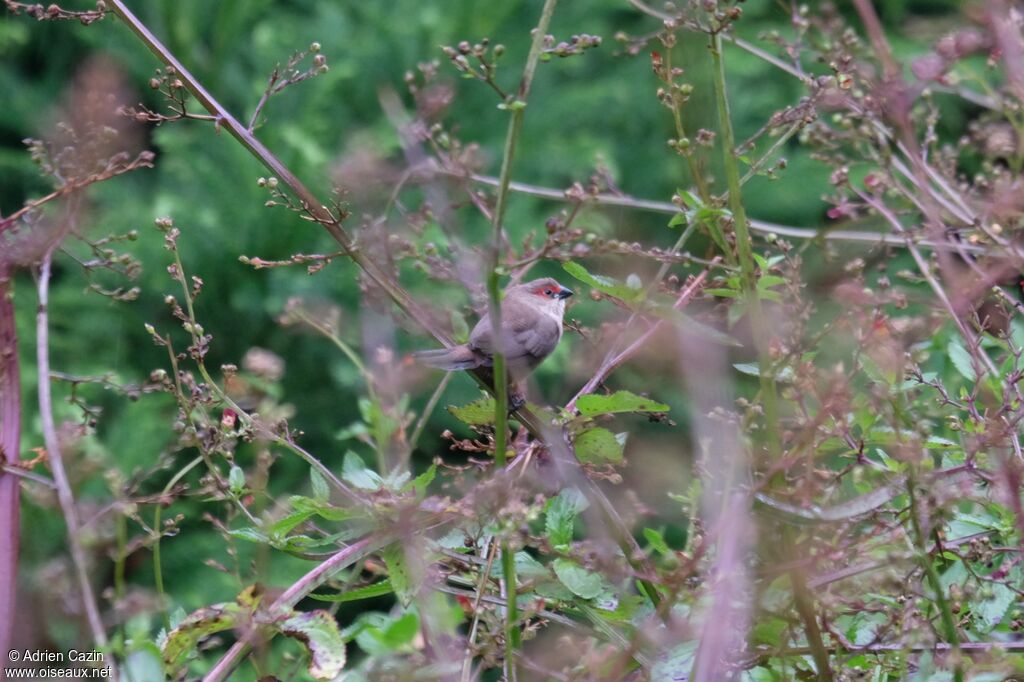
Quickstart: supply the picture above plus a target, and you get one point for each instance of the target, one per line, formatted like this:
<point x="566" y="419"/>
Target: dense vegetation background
<point x="593" y="118"/>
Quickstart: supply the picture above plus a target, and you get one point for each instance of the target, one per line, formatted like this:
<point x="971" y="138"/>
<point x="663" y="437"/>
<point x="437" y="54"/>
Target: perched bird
<point x="531" y="327"/>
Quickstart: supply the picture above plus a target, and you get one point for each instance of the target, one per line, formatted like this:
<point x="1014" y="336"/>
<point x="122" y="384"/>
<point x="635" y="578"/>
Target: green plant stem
<point x="744" y="250"/>
<point x="158" y="573"/>
<point x="428" y="409"/>
<point x="691" y="162"/>
<point x="121" y="533"/>
<point x="945" y="613"/>
<point x="517" y="109"/>
<point x="804" y="600"/>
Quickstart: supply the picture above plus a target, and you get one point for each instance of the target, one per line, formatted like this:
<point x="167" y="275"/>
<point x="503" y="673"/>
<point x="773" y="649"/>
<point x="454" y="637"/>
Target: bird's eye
<point x="547" y="292"/>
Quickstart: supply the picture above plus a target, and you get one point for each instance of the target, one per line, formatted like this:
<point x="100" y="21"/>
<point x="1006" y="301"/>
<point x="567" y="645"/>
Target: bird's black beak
<point x="564" y="293"/>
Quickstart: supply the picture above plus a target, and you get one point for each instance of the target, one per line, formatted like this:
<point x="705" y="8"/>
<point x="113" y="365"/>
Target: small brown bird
<point x="531" y="327"/>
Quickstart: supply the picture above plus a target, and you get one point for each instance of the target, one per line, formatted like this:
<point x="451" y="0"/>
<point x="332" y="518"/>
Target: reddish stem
<point x="10" y="437"/>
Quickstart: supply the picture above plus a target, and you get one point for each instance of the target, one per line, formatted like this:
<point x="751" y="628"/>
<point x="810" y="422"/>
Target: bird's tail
<point x="450" y="359"/>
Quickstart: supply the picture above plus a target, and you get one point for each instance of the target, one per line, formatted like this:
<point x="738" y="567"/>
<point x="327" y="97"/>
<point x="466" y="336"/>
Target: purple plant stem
<point x="299" y="589"/>
<point x="10" y="437"/>
<point x="64" y="493"/>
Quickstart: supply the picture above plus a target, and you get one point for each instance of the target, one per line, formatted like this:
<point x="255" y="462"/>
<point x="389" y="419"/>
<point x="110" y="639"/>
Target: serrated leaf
<point x="325" y="511"/>
<point x="606" y="285"/>
<point x="599" y="446"/>
<point x="318" y="632"/>
<point x="961" y="359"/>
<point x="398" y="572"/>
<point x="620" y="401"/>
<point x="319" y="485"/>
<point x="561" y="514"/>
<point x="421" y="482"/>
<point x="249" y="534"/>
<point x="581" y="582"/>
<point x="355" y="471"/>
<point x="480" y="412"/>
<point x="378" y="589"/>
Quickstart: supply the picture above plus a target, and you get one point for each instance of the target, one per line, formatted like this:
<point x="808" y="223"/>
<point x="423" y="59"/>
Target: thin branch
<point x="759" y="226"/>
<point x="60" y="477"/>
<point x="612" y="361"/>
<point x="10" y="487"/>
<point x="299" y="589"/>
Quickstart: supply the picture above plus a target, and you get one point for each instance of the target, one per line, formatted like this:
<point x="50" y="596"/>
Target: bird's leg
<point x="516" y="396"/>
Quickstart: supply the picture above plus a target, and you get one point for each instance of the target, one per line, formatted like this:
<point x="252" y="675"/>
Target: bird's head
<point x="544" y="292"/>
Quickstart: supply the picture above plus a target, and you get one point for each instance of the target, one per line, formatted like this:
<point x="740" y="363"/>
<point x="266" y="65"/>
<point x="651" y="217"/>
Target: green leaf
<point x="657" y="541"/>
<point x="249" y="534"/>
<point x="399" y="632"/>
<point x="143" y="663"/>
<point x="961" y="359"/>
<point x="768" y="281"/>
<point x="599" y="446"/>
<point x="319" y="485"/>
<point x="620" y="401"/>
<point x="236" y="479"/>
<point x="421" y="482"/>
<point x="990" y="612"/>
<point x="676" y="663"/>
<point x="770" y="631"/>
<point x="785" y="374"/>
<point x="561" y="515"/>
<point x="606" y="285"/>
<point x="398" y="572"/>
<point x="477" y="413"/>
<point x="318" y="633"/>
<point x="378" y="589"/>
<point x="325" y="511"/>
<point x="204" y="622"/>
<point x="354" y="470"/>
<point x="285" y="525"/>
<point x="583" y="583"/>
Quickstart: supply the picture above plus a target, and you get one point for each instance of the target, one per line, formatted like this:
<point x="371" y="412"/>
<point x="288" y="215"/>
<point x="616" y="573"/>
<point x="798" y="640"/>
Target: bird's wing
<point x="524" y="332"/>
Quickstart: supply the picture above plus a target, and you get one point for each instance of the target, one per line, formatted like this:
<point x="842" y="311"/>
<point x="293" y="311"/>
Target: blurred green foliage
<point x="596" y="110"/>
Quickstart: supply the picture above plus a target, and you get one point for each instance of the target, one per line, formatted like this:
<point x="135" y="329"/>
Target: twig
<point x="485" y="576"/>
<point x="611" y="362"/>
<point x="10" y="442"/>
<point x="518" y="110"/>
<point x="759" y="226"/>
<point x="28" y="475"/>
<point x="299" y="589"/>
<point x="428" y="410"/>
<point x="60" y="477"/>
<point x="948" y="621"/>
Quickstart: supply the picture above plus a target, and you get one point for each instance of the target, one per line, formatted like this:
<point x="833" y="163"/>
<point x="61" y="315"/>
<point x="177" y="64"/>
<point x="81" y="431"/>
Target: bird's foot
<point x="516" y="401"/>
